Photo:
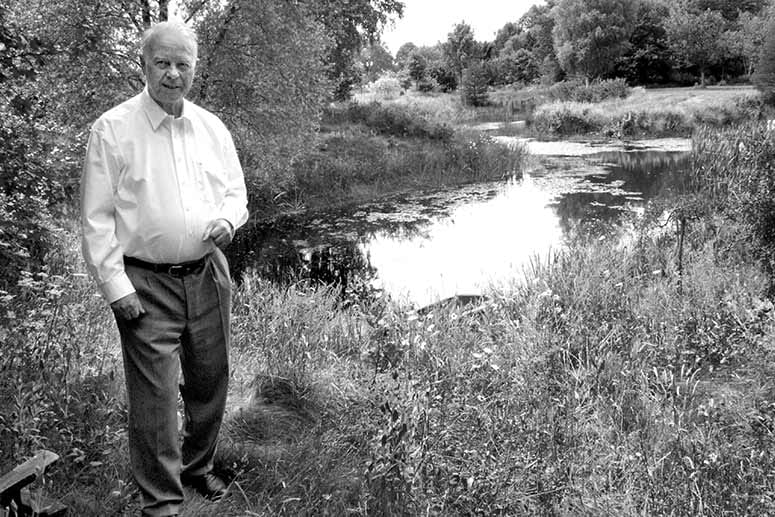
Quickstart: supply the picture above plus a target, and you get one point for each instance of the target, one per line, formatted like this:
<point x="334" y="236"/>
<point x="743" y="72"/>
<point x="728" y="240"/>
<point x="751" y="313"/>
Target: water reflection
<point x="424" y="247"/>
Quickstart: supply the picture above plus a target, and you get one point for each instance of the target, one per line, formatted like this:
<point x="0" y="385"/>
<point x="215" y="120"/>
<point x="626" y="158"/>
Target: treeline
<point x="267" y="68"/>
<point x="646" y="42"/>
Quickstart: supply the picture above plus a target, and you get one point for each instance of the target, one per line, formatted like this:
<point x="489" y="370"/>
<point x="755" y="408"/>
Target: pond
<point x="424" y="247"/>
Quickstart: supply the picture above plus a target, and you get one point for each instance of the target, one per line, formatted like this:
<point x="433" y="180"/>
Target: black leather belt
<point x="178" y="270"/>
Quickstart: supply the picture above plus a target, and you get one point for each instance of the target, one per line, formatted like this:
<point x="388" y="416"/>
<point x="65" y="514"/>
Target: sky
<point x="426" y="22"/>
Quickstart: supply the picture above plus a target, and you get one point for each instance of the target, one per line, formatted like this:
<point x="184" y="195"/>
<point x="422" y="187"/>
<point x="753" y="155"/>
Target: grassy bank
<point x="616" y="111"/>
<point x="615" y="380"/>
<point x="649" y="113"/>
<point x="369" y="150"/>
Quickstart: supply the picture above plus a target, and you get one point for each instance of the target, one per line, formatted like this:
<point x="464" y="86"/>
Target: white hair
<point x="173" y="25"/>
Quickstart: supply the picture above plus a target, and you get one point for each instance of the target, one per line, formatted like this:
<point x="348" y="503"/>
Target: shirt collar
<point x="156" y="115"/>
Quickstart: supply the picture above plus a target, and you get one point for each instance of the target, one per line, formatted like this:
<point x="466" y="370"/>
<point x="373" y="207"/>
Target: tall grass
<point x="643" y="114"/>
<point x="369" y="150"/>
<point x="607" y="382"/>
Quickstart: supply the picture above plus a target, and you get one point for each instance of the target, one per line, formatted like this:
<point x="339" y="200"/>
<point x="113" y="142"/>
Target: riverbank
<point x="367" y="151"/>
<point x="623" y="380"/>
<point x="634" y="113"/>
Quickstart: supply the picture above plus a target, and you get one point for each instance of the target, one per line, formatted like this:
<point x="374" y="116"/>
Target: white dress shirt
<point x="151" y="184"/>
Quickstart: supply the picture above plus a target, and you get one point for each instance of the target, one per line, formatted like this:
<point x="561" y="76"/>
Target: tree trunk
<point x="163" y="10"/>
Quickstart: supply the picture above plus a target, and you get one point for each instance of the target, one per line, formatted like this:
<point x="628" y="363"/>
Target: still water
<point x="428" y="246"/>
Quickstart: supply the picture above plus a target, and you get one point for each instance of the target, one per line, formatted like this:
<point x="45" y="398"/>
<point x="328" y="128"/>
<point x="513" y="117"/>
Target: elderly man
<point x="162" y="190"/>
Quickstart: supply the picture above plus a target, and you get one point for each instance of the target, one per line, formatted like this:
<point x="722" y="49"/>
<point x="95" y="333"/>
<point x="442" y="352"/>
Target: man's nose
<point x="173" y="72"/>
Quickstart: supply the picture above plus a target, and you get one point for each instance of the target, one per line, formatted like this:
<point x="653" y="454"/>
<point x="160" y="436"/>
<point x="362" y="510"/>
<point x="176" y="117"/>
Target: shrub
<point x="595" y="91"/>
<point x="426" y="85"/>
<point x="444" y="76"/>
<point x="392" y="120"/>
<point x="386" y="87"/>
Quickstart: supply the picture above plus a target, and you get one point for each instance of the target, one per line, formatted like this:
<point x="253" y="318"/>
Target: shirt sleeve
<point x="101" y="249"/>
<point x="234" y="207"/>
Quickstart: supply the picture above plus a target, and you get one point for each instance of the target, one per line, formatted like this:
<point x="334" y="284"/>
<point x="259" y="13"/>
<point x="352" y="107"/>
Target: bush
<point x="444" y="76"/>
<point x="595" y="91"/>
<point x="387" y="87"/>
<point x="426" y="85"/>
<point x="391" y="120"/>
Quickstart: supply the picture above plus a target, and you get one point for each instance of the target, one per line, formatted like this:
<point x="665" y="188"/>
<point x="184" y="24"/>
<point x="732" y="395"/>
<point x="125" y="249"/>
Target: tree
<point x="375" y="61"/>
<point x="416" y="67"/>
<point x="444" y="76"/>
<point x="516" y="67"/>
<point x="696" y="39"/>
<point x="460" y="48"/>
<point x="474" y="84"/>
<point x="262" y="71"/>
<point x="351" y="25"/>
<point x="729" y="9"/>
<point x="504" y="34"/>
<point x="748" y="39"/>
<point x="403" y="54"/>
<point x="647" y="59"/>
<point x="589" y="35"/>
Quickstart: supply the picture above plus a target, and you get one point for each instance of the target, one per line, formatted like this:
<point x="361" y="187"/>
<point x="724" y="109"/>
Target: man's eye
<point x="183" y="66"/>
<point x="162" y="64"/>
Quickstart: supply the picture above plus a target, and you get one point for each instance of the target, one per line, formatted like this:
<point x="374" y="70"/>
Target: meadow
<point x="614" y="379"/>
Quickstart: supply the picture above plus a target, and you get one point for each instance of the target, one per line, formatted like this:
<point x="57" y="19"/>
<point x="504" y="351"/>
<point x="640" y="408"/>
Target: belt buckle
<point x="177" y="270"/>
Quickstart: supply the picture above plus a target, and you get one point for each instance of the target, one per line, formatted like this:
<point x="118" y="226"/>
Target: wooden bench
<point x="16" y="500"/>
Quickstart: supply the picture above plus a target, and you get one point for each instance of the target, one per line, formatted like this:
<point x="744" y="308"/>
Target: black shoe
<point x="208" y="485"/>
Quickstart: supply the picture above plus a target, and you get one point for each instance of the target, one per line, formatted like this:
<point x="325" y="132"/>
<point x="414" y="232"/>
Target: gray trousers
<point x="185" y="328"/>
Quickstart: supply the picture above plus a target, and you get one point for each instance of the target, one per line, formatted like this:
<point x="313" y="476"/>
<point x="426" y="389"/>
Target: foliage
<point x="351" y="25"/>
<point x="647" y="59"/>
<point x="33" y="172"/>
<point x="444" y="76"/>
<point x="730" y="9"/>
<point x="60" y="383"/>
<point x="764" y="79"/>
<point x="273" y="55"/>
<point x="735" y="170"/>
<point x="403" y="54"/>
<point x="375" y="61"/>
<point x="416" y="66"/>
<point x="473" y="85"/>
<point x="370" y="160"/>
<point x="696" y="39"/>
<point x="460" y="48"/>
<point x="589" y="35"/>
<point x="515" y="67"/>
<point x="390" y="120"/>
<point x="386" y="87"/>
<point x="645" y="114"/>
<point x="595" y="91"/>
<point x="748" y="39"/>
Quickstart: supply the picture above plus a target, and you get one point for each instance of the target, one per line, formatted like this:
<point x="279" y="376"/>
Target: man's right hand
<point x="128" y="307"/>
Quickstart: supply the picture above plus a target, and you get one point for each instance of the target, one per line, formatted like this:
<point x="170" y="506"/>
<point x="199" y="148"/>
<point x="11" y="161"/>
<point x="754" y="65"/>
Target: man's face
<point x="169" y="70"/>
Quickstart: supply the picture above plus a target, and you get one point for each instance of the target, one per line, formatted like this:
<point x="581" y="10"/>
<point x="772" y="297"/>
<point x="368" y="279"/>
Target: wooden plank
<point x="24" y="474"/>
